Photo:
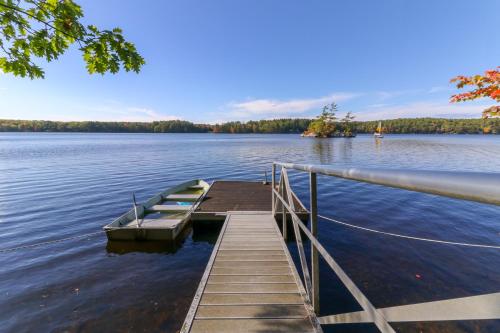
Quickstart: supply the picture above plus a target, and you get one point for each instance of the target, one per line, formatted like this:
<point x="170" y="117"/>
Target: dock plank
<point x="245" y="298"/>
<point x="250" y="264"/>
<point x="252" y="325"/>
<point x="250" y="271"/>
<point x="251" y="311"/>
<point x="252" y="288"/>
<point x="226" y="279"/>
<point x="250" y="283"/>
<point x="252" y="257"/>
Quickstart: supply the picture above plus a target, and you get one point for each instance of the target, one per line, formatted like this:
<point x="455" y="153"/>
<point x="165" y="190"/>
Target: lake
<point x="59" y="185"/>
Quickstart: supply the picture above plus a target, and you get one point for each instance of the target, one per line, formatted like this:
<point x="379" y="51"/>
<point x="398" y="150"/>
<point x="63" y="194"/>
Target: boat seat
<point x="155" y="223"/>
<point x="183" y="197"/>
<point x="169" y="208"/>
<point x="196" y="187"/>
<point x="160" y="223"/>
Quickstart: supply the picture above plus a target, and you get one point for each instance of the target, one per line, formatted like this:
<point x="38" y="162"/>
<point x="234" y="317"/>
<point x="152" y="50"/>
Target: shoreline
<point x="224" y="133"/>
<point x="275" y="126"/>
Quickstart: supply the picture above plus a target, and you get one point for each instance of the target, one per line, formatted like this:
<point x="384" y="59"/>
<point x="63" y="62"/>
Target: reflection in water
<point x="124" y="247"/>
<point x="346" y="149"/>
<point x="324" y="149"/>
<point x="200" y="233"/>
<point x="165" y="246"/>
<point x="206" y="231"/>
<point x="378" y="145"/>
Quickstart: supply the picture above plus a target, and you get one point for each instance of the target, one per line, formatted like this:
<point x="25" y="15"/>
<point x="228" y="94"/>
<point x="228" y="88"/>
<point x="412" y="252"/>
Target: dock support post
<point x="314" y="232"/>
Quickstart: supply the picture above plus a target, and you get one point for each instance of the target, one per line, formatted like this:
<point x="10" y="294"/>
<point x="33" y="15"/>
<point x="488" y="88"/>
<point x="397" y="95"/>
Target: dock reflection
<point x="206" y="232"/>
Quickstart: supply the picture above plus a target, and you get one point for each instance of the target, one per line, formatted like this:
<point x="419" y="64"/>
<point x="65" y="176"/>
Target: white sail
<point x="378" y="131"/>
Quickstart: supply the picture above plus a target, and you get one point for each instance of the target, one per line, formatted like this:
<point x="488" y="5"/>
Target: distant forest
<point x="396" y="126"/>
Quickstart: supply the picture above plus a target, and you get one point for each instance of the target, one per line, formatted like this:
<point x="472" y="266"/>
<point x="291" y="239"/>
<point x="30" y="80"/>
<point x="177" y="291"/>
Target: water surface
<point x="57" y="185"/>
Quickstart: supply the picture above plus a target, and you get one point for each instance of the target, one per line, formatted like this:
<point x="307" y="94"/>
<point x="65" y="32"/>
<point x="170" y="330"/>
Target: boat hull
<point x="141" y="234"/>
<point x="164" y="227"/>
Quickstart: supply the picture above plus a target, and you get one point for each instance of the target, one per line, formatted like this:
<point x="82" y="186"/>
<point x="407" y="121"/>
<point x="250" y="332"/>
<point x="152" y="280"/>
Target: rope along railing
<point x="430" y="240"/>
<point x="477" y="188"/>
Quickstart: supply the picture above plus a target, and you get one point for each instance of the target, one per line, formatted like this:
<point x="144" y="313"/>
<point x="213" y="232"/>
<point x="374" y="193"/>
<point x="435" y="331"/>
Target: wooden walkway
<point x="250" y="283"/>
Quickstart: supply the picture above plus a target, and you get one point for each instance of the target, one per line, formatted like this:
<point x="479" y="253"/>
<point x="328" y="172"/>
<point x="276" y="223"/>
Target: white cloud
<point x="104" y="112"/>
<point x="144" y="114"/>
<point x="422" y="109"/>
<point x="377" y="105"/>
<point x="115" y="111"/>
<point x="280" y="108"/>
<point x="385" y="95"/>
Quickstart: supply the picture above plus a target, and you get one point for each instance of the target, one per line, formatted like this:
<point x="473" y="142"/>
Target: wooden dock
<point x="250" y="283"/>
<point x="236" y="195"/>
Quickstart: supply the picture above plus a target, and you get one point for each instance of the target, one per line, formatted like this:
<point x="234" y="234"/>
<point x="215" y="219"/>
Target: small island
<point x="324" y="126"/>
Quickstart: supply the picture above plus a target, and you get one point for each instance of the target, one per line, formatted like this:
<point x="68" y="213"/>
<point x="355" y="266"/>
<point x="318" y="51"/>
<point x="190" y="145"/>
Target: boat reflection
<point x="200" y="232"/>
<point x="161" y="246"/>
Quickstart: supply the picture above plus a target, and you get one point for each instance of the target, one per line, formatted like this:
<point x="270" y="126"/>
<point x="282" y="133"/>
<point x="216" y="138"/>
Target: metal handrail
<point x="296" y="230"/>
<point x="475" y="186"/>
<point x="373" y="315"/>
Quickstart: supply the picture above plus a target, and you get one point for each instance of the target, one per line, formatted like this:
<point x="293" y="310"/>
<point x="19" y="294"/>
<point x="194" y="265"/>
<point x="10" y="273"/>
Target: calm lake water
<point x="54" y="186"/>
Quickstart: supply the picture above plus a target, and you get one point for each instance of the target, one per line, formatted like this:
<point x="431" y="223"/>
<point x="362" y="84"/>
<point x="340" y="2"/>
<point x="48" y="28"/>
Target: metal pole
<point x="284" y="225"/>
<point x="135" y="210"/>
<point x="474" y="186"/>
<point x="273" y="184"/>
<point x="314" y="232"/>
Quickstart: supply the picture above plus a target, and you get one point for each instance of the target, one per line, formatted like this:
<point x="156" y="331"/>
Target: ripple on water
<point x="60" y="185"/>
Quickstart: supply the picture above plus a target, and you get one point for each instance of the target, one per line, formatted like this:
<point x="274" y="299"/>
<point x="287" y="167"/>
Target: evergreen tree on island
<point x="324" y="125"/>
<point x="349" y="117"/>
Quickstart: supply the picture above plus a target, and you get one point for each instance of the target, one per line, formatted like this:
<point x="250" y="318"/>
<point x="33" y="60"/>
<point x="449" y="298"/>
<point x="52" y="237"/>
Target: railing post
<point x="314" y="231"/>
<point x="273" y="186"/>
<point x="284" y="224"/>
<point x="285" y="232"/>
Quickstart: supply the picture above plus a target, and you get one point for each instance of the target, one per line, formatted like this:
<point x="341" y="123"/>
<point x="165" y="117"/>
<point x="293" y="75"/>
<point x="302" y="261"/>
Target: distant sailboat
<point x="378" y="132"/>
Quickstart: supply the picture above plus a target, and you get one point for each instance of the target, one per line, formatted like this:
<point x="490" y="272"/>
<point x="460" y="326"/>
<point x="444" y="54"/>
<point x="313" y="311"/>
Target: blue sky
<point x="213" y="61"/>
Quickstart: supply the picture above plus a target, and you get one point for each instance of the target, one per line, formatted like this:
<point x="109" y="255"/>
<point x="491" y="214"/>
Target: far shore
<point x="275" y="126"/>
<point x="227" y="133"/>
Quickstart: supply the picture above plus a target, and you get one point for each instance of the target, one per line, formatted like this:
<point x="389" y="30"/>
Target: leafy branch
<point x="487" y="85"/>
<point x="46" y="29"/>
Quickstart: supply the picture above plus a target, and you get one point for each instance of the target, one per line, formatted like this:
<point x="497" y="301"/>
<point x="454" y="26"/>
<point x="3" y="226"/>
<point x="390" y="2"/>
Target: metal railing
<point x="480" y="187"/>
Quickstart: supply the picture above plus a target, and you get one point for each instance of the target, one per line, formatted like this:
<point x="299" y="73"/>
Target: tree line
<point x="262" y="126"/>
<point x="431" y="126"/>
<point x="395" y="126"/>
<point x="169" y="126"/>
